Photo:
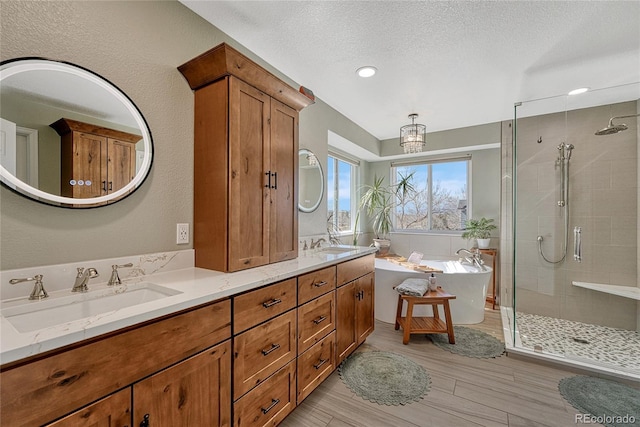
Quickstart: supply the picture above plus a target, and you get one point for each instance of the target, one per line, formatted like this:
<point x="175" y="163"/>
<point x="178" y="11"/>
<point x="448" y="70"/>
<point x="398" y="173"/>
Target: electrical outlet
<point x="182" y="234"/>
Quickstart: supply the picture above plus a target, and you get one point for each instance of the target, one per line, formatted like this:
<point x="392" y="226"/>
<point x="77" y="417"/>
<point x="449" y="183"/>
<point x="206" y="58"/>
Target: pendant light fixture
<point x="413" y="137"/>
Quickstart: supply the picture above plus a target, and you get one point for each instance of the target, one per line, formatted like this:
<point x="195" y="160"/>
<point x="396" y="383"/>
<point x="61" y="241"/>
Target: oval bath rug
<point x="385" y="378"/>
<point x="470" y="342"/>
<point x="602" y="401"/>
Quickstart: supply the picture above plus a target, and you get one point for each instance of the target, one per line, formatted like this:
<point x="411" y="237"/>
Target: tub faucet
<point x="82" y="279"/>
<point x="473" y="259"/>
<point x="316" y="244"/>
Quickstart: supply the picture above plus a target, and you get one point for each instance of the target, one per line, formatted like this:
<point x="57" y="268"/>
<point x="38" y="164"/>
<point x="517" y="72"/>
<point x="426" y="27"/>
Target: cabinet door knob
<point x="274" y="402"/>
<point x="145" y="421"/>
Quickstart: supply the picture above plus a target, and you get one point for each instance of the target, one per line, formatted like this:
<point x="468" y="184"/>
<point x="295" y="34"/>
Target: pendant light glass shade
<point x="413" y="137"/>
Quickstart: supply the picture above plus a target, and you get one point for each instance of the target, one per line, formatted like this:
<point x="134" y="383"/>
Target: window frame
<point x="429" y="162"/>
<point x="355" y="173"/>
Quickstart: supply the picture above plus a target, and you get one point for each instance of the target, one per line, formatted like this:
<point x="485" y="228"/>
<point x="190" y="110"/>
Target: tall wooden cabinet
<point x="245" y="162"/>
<point x="95" y="161"/>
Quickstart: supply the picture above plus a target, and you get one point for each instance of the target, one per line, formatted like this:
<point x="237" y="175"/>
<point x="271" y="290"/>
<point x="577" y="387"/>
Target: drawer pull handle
<point x="274" y="402"/>
<point x="274" y="347"/>
<point x="271" y="303"/>
<point x="320" y="363"/>
<point x="319" y="320"/>
<point x="319" y="284"/>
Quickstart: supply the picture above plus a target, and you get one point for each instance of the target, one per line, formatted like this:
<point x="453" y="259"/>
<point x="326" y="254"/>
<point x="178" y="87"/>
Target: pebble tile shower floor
<point x="601" y="345"/>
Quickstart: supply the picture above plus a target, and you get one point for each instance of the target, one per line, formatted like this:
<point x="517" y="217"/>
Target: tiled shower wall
<point x="603" y="200"/>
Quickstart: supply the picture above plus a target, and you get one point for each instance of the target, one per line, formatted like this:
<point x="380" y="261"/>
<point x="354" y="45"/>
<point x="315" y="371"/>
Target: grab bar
<point x="577" y="244"/>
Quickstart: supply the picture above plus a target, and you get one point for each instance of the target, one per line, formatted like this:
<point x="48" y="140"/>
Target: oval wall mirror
<point x="69" y="137"/>
<point x="311" y="181"/>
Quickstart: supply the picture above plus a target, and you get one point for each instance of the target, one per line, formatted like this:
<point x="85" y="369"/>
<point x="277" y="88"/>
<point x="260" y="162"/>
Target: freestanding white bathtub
<point x="466" y="282"/>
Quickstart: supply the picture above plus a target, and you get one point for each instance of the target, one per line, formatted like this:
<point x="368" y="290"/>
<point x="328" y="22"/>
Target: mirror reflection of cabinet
<point x="95" y="161"/>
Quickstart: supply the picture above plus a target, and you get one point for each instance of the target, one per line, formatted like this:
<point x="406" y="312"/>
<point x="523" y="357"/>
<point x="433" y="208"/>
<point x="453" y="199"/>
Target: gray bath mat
<point x="385" y="378"/>
<point x="605" y="402"/>
<point x="470" y="342"/>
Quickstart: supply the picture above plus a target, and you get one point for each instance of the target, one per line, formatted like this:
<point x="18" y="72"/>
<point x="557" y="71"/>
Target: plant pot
<point x="483" y="243"/>
<point x="382" y="245"/>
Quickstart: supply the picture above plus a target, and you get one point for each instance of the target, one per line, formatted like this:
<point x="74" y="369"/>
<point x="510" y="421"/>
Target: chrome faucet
<point x="38" y="291"/>
<point x="115" y="277"/>
<point x="83" y="278"/>
<point x="316" y="244"/>
<point x="474" y="259"/>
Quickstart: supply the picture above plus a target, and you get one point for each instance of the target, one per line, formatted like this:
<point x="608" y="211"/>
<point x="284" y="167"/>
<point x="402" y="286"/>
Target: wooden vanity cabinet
<point x="245" y="162"/>
<point x="354" y="305"/>
<point x="46" y="388"/>
<point x="104" y="157"/>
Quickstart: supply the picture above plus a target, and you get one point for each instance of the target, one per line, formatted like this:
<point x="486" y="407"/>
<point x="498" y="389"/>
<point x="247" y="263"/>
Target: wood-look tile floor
<point x="505" y="391"/>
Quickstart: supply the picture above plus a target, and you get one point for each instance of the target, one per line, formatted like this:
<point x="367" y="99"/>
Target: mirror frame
<point x="14" y="66"/>
<point x="315" y="206"/>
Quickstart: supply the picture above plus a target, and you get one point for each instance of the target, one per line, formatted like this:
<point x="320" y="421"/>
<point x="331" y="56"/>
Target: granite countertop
<point x="196" y="286"/>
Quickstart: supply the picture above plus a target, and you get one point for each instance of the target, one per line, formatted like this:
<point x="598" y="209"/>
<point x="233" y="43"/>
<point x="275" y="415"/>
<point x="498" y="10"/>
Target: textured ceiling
<point x="454" y="63"/>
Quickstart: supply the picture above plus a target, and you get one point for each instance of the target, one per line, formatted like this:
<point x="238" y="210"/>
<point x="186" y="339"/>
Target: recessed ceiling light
<point x="366" y="71"/>
<point x="578" y="91"/>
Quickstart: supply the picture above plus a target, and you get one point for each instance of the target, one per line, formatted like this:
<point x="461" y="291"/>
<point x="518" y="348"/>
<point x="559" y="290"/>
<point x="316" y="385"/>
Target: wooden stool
<point x="425" y="325"/>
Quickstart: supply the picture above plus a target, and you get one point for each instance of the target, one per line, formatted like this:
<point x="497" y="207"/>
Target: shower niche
<point x="573" y="207"/>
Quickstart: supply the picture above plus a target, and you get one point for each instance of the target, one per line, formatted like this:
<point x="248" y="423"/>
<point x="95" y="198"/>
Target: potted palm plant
<point x="377" y="202"/>
<point x="479" y="229"/>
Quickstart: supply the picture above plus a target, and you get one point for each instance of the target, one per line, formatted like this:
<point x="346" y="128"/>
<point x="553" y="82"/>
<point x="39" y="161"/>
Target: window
<point x="438" y="200"/>
<point x="341" y="195"/>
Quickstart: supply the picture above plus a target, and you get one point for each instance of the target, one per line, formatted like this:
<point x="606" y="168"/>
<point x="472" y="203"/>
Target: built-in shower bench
<point x="621" y="291"/>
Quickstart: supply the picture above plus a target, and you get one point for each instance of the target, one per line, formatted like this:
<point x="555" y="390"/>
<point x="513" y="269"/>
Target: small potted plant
<point x="479" y="229"/>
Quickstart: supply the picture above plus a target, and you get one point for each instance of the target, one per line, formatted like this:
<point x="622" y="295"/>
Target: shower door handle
<point x="577" y="244"/>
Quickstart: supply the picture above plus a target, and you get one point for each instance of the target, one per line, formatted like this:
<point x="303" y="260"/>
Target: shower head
<point x="611" y="128"/>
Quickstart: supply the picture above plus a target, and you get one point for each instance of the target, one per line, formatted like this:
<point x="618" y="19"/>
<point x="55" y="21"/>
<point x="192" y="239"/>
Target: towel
<point x="413" y="287"/>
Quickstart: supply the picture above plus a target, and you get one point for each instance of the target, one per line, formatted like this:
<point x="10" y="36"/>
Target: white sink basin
<point x="36" y="315"/>
<point x="335" y="250"/>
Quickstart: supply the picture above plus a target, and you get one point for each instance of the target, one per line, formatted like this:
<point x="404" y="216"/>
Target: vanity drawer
<point x="351" y="270"/>
<point x="315" y="320"/>
<point x="316" y="283"/>
<point x="270" y="402"/>
<point x="261" y="351"/>
<point x="255" y="307"/>
<point x="315" y="365"/>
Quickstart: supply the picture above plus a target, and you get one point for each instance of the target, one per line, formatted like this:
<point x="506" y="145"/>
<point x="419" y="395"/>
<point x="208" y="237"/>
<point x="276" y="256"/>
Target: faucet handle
<point x="38" y="291"/>
<point x="115" y="277"/>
